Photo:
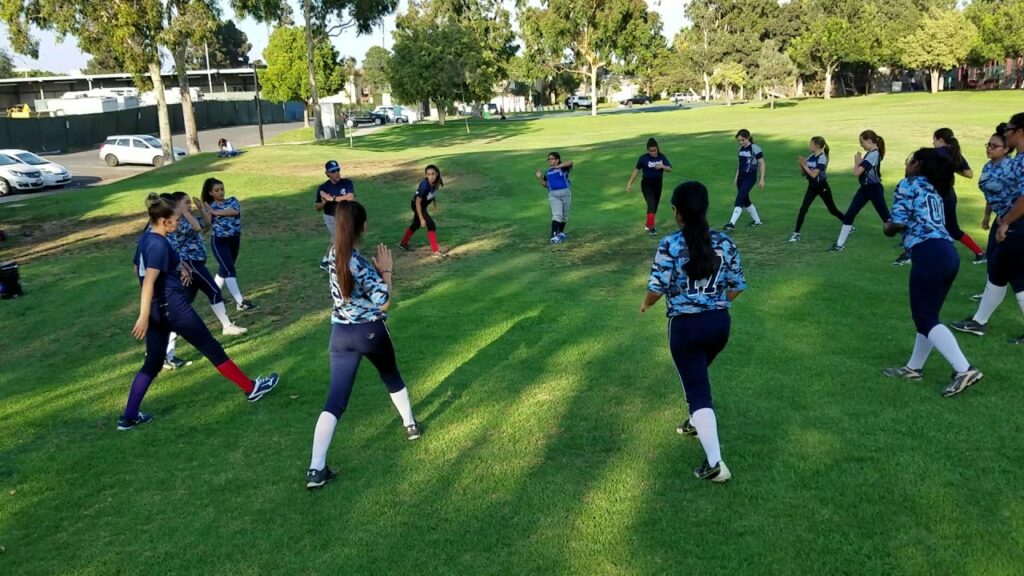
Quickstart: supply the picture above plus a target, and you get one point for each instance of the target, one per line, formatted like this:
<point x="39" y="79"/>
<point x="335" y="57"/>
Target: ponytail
<point x="871" y="136"/>
<point x="160" y="206"/>
<point x="349" y="220"/>
<point x="819" y="141"/>
<point x="946" y="135"/>
<point x="652" y="143"/>
<point x="207" y="194"/>
<point x="690" y="200"/>
<point x="937" y="169"/>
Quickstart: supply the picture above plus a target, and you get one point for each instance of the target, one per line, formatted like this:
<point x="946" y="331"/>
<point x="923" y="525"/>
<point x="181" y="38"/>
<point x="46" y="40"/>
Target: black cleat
<point x="317" y="478"/>
<point x="904" y="372"/>
<point x="717" y="473"/>
<point x="686" y="428"/>
<point x="404" y="247"/>
<point x="262" y="385"/>
<point x="728" y="227"/>
<point x="961" y="381"/>
<point x="175" y="363"/>
<point x="902" y="259"/>
<point x="124" y="424"/>
<point x="755" y="224"/>
<point x="969" y="326"/>
<point x="980" y="259"/>
<point x="247" y="305"/>
<point x="837" y="248"/>
<point x="1017" y="340"/>
<point x="412" y="431"/>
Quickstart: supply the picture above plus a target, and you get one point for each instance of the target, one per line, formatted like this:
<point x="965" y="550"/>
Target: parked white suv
<point x="576" y="102"/>
<point x="53" y="174"/>
<point x="135" y="149"/>
<point x="16" y="175"/>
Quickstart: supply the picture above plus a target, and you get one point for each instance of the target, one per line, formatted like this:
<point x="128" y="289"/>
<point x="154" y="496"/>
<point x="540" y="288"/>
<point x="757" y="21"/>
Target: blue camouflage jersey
<point x="684" y="295"/>
<point x="1017" y="170"/>
<point x="369" y="293"/>
<point x="226" y="226"/>
<point x="998" y="183"/>
<point x="187" y="241"/>
<point x="918" y="206"/>
<point x="748" y="157"/>
<point x="558" y="179"/>
<point x="872" y="165"/>
<point x="817" y="162"/>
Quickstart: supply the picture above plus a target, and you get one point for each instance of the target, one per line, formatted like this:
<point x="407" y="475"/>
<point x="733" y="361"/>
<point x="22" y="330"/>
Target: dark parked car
<point x="638" y="99"/>
<point x="364" y="118"/>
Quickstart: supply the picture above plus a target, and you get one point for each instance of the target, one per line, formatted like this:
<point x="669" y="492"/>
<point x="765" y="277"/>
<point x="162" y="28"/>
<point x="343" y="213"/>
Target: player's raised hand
<point x="383" y="259"/>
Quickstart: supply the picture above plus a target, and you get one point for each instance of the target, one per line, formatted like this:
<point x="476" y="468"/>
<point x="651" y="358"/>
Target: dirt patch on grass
<point x="28" y="241"/>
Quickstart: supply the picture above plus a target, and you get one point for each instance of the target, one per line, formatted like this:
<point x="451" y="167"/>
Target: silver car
<point x="53" y="174"/>
<point x="16" y="176"/>
<point x="135" y="149"/>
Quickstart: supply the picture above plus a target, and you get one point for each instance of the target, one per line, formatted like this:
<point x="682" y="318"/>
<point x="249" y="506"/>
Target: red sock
<point x="650" y="220"/>
<point x="408" y="235"/>
<point x="432" y="236"/>
<point x="971" y="244"/>
<point x="232" y="372"/>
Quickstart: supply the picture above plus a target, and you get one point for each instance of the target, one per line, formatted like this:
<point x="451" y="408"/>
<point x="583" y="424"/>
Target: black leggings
<point x="1008" y="265"/>
<point x="952" y="224"/>
<point x="225" y="250"/>
<point x="651" y="188"/>
<point x="178" y="317"/>
<point x="202" y="281"/>
<point x="814" y="190"/>
<point x="873" y="193"/>
<point x="431" y="227"/>
<point x="349" y="343"/>
<point x="694" y="341"/>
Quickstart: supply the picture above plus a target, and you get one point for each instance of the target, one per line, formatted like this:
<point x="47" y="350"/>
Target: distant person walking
<point x="749" y="173"/>
<point x="814" y="167"/>
<point x="653" y="166"/>
<point x="868" y="170"/>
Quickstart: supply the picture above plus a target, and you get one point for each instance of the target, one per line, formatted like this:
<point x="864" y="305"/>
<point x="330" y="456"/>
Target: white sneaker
<point x="234" y="330"/>
<point x="795" y="237"/>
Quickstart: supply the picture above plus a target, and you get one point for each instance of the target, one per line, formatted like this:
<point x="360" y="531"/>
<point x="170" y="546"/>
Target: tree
<point x="105" y="63"/>
<point x="188" y="23"/>
<point x="229" y="48"/>
<point x="728" y="75"/>
<point x="431" y="60"/>
<point x="647" y="62"/>
<point x="322" y="19"/>
<point x="6" y="64"/>
<point x="774" y="69"/>
<point x="583" y="36"/>
<point x="128" y="31"/>
<point x="826" y="43"/>
<point x="285" y="77"/>
<point x="943" y="41"/>
<point x="375" y="69"/>
<point x="1000" y="25"/>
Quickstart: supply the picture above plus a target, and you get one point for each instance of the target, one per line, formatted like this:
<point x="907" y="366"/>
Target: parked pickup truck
<point x="577" y="102"/>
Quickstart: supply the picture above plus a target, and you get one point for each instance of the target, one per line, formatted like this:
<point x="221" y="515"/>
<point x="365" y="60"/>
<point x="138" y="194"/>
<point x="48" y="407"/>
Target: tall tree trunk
<point x="742" y="88"/>
<point x="161" y="111"/>
<point x="772" y="96"/>
<point x="318" y="127"/>
<point x="935" y="80"/>
<point x="440" y="113"/>
<point x="593" y="90"/>
<point x="799" y="87"/>
<point x="828" y="81"/>
<point x="707" y="88"/>
<point x="187" y="111"/>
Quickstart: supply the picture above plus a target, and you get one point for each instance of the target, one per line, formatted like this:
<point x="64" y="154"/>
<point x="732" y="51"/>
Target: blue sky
<point x="65" y="56"/>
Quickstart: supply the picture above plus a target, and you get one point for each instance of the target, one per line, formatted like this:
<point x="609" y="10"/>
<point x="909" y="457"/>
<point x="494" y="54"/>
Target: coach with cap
<point x="335" y="189"/>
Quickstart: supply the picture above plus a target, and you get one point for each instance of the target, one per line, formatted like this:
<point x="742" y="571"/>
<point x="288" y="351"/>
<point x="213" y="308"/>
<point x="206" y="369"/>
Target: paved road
<point x="88" y="170"/>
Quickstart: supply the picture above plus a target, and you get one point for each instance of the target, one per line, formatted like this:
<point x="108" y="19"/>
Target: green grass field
<point x="549" y="403"/>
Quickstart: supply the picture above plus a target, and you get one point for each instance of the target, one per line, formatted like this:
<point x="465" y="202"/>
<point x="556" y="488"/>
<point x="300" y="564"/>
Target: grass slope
<point x="549" y="403"/>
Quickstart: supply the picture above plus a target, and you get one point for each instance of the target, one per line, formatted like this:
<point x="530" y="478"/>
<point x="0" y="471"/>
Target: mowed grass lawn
<point x="549" y="402"/>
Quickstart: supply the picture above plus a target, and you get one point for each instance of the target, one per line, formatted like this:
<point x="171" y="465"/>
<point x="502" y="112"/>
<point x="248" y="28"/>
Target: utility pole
<point x="259" y="111"/>
<point x="209" y="75"/>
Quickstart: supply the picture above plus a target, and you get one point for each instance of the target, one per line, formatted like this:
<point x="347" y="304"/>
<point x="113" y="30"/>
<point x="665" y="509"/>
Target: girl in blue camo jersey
<point x="226" y="219"/>
<point x="362" y="295"/>
<point x="918" y="213"/>
<point x="187" y="241"/>
<point x="698" y="271"/>
<point x="1002" y="181"/>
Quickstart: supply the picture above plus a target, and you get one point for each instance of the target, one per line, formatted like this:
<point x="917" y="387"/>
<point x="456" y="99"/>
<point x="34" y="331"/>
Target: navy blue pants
<point x="1006" y="264"/>
<point x="178" y="316"/>
<point x="202" y="281"/>
<point x="415" y="225"/>
<point x="744" y="184"/>
<point x="651" y="188"/>
<point x="695" y="340"/>
<point x="873" y="193"/>
<point x="934" y="266"/>
<point x="814" y="190"/>
<point x="225" y="250"/>
<point x="952" y="223"/>
<point x="349" y="343"/>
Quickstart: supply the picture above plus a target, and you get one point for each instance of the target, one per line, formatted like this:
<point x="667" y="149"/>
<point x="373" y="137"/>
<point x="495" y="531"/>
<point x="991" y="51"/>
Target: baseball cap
<point x="332" y="166"/>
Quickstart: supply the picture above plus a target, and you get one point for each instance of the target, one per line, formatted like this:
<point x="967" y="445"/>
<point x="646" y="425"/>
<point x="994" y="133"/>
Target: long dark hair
<point x="936" y="168"/>
<point x="349" y="219"/>
<point x="208" y="185"/>
<point x="440" y="180"/>
<point x="1018" y="122"/>
<point x="946" y="135"/>
<point x="819" y="141"/>
<point x="871" y="136"/>
<point x="1001" y="134"/>
<point x="744" y="133"/>
<point x="160" y="206"/>
<point x="690" y="200"/>
<point x="652" y="143"/>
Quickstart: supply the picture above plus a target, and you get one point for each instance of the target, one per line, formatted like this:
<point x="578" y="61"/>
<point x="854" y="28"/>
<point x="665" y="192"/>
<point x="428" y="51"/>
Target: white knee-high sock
<point x="735" y="215"/>
<point x="991" y="298"/>
<point x="172" y="343"/>
<point x="401" y="401"/>
<point x="221" y="312"/>
<point x="752" y="210"/>
<point x="236" y="293"/>
<point x="946" y="344"/>
<point x="218" y="281"/>
<point x="1020" y="300"/>
<point x="844" y="233"/>
<point x="922" y="348"/>
<point x="322" y="440"/>
<point x="707" y="432"/>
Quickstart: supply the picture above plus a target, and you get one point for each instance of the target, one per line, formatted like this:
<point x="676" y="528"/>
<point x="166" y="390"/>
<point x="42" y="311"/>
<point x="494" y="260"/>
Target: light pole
<point x="259" y="111"/>
<point x="209" y="75"/>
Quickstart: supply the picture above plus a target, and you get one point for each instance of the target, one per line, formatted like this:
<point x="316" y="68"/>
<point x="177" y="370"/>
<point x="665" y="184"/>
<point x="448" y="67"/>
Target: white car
<point x="15" y="176"/>
<point x="135" y="149"/>
<point x="576" y="102"/>
<point x="53" y="174"/>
